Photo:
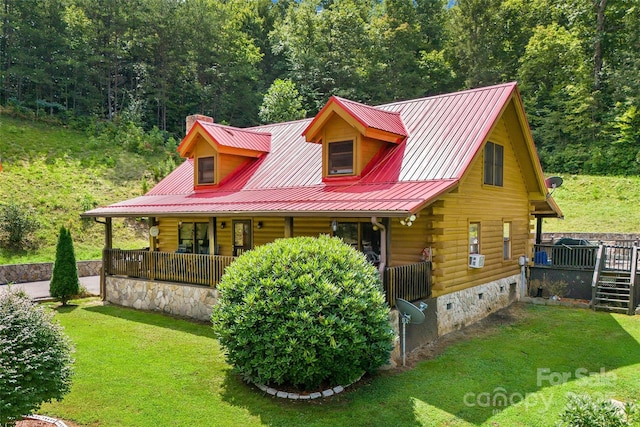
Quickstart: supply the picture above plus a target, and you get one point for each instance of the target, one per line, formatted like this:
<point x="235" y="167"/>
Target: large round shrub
<point x="35" y="357"/>
<point x="303" y="312"/>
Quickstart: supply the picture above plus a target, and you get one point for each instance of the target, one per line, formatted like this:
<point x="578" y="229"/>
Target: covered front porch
<point x="410" y="282"/>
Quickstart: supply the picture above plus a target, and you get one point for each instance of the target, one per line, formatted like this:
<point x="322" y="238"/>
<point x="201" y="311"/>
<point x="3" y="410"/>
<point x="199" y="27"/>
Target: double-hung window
<point x="493" y="164"/>
<point x="474" y="238"/>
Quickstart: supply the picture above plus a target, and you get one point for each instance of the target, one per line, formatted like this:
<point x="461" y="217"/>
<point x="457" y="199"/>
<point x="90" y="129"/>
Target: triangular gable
<point x="512" y="110"/>
<point x="227" y="140"/>
<point x="369" y="121"/>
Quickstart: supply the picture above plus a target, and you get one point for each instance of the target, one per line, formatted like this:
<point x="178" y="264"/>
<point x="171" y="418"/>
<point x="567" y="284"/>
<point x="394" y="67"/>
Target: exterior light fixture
<point x="334" y="225"/>
<point x="259" y="224"/>
<point x="223" y="224"/>
<point x="179" y="224"/>
<point x="408" y="221"/>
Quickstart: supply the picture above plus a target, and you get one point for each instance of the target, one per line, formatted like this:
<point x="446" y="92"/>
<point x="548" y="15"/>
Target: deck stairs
<point x="613" y="286"/>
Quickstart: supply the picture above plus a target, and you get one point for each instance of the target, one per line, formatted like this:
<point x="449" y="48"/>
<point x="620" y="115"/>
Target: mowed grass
<point x="597" y="204"/>
<point x="144" y="369"/>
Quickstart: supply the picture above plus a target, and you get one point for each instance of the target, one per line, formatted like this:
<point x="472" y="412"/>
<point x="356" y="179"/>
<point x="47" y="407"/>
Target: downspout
<point x="383" y="246"/>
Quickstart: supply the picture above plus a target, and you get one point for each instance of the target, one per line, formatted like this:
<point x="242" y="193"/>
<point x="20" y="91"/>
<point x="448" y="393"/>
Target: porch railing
<point x="166" y="266"/>
<point x="409" y="282"/>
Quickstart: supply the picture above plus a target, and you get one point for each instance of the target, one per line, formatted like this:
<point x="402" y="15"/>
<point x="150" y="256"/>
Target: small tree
<point x="64" y="283"/>
<point x="35" y="357"/>
<point x="282" y="102"/>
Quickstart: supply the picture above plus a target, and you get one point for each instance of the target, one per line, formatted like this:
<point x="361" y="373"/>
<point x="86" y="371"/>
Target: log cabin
<point x="440" y="193"/>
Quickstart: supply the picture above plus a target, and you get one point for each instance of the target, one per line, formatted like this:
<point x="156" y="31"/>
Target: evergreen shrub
<point x="64" y="283"/>
<point x="303" y="312"/>
<point x="35" y="357"/>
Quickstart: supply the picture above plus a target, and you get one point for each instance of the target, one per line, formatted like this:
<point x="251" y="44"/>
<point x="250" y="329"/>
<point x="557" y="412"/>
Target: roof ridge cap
<point x="448" y="94"/>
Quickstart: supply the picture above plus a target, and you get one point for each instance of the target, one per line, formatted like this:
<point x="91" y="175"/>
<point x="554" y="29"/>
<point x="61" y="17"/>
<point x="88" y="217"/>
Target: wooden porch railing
<point x="409" y="282"/>
<point x="166" y="266"/>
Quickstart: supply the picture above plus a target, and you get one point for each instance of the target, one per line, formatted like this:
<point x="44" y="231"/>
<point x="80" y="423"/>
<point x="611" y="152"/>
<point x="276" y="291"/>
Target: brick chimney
<point x="191" y="120"/>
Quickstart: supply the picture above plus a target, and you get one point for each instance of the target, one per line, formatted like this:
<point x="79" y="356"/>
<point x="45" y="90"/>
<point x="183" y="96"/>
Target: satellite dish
<point x="410" y="314"/>
<point x="410" y="311"/>
<point x="553" y="182"/>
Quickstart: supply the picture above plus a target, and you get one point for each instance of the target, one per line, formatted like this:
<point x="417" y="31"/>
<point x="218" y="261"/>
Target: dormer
<point x="351" y="135"/>
<point x="219" y="151"/>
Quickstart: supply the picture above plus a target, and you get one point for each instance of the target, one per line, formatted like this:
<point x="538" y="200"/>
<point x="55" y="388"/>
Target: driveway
<point x="40" y="290"/>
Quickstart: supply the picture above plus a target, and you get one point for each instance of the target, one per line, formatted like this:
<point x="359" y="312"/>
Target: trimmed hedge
<point x="303" y="312"/>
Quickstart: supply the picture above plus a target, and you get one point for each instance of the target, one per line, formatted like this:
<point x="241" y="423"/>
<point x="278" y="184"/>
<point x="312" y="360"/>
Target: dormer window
<point x="341" y="158"/>
<point x="206" y="169"/>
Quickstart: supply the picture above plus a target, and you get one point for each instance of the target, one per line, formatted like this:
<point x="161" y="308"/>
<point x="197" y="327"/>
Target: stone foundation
<point x="459" y="309"/>
<point x="177" y="299"/>
<point x="21" y="273"/>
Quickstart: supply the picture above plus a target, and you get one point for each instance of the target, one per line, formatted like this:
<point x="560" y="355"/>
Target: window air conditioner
<point x="476" y="261"/>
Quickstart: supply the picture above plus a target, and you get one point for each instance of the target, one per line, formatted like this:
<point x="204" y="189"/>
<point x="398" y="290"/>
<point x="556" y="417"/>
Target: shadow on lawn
<point x="472" y="380"/>
<point x="155" y="319"/>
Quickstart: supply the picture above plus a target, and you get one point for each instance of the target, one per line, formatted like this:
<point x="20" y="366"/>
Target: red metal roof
<point x="374" y="117"/>
<point x="229" y="136"/>
<point x="381" y="199"/>
<point x="444" y="134"/>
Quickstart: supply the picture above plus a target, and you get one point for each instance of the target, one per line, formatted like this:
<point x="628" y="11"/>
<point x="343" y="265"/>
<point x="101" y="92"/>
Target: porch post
<point x="538" y="230"/>
<point x="288" y="226"/>
<point x="211" y="233"/>
<point x="108" y="244"/>
<point x="152" y="250"/>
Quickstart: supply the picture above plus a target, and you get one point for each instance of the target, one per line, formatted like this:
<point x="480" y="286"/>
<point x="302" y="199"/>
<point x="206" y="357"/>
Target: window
<point x="205" y="170"/>
<point x="506" y="240"/>
<point x="340" y="158"/>
<point x="241" y="237"/>
<point x="361" y="236"/>
<point x="493" y="164"/>
<point x="193" y="237"/>
<point x="474" y="237"/>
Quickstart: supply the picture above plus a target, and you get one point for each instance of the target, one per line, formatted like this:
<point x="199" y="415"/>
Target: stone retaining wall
<point x="20" y="273"/>
<point x="178" y="299"/>
<point x="458" y="309"/>
<point x="593" y="237"/>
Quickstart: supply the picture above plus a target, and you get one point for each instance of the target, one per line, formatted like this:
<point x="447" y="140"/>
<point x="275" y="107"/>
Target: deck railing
<point x="166" y="266"/>
<point x="409" y="282"/>
<point x="565" y="256"/>
<point x="615" y="258"/>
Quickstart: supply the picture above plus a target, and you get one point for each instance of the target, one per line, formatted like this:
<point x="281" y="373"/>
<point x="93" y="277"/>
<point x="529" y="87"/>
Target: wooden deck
<point x="410" y="282"/>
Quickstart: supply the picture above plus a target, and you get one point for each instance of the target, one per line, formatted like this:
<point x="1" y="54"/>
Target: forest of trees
<point x="152" y="62"/>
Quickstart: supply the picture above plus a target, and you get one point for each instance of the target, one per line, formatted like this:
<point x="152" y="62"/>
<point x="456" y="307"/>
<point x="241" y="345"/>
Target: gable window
<point x="474" y="238"/>
<point x="340" y="158"/>
<point x="506" y="240"/>
<point x="493" y="164"/>
<point x="206" y="170"/>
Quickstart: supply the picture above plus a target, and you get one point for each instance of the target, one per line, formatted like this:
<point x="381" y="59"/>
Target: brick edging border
<point x="311" y="396"/>
<point x="57" y="423"/>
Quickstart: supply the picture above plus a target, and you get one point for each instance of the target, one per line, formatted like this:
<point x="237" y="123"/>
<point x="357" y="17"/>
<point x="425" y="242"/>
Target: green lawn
<point x="142" y="369"/>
